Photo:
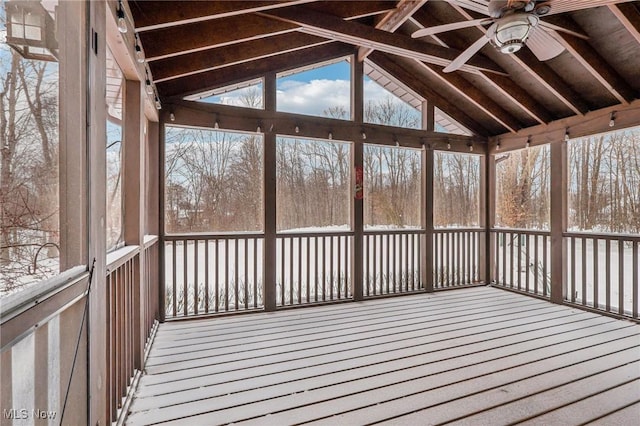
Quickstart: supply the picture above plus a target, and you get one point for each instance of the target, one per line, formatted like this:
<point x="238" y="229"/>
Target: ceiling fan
<point x="514" y="23"/>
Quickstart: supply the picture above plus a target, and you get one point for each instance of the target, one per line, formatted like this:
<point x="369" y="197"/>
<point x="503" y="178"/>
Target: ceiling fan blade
<point x="543" y="45"/>
<point x="467" y="54"/>
<point x="449" y="27"/>
<point x="555" y="27"/>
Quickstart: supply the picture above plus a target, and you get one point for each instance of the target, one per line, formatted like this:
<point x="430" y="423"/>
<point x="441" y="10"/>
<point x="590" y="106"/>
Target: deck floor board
<point x="476" y="356"/>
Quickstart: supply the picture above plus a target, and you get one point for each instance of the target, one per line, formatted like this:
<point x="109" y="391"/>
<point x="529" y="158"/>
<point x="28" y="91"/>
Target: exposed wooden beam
<point x="398" y="70"/>
<point x="542" y="74"/>
<point x="474" y="96"/>
<point x="239" y="73"/>
<point x="591" y="60"/>
<point x="198" y="114"/>
<point x="329" y="26"/>
<point x="393" y="20"/>
<point x="210" y="59"/>
<point x="152" y="15"/>
<point x="592" y="123"/>
<point x="507" y="87"/>
<point x="629" y="16"/>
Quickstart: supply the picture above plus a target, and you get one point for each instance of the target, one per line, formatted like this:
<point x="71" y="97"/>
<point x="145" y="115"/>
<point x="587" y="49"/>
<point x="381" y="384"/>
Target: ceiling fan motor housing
<point x="513" y="30"/>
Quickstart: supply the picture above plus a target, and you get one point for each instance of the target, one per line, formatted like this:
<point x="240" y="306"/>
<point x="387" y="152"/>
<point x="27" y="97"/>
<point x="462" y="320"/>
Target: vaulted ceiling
<point x="196" y="46"/>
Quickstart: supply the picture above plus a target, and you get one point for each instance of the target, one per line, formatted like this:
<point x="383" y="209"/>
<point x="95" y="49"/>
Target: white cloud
<point x="3" y="36"/>
<point x="313" y="97"/>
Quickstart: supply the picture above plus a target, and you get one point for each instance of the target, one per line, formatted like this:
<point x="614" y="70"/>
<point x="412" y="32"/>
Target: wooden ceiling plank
<point x="564" y="6"/>
<point x="329" y="26"/>
<point x="544" y="75"/>
<point x="519" y="97"/>
<point x="393" y="67"/>
<point x="204" y="35"/>
<point x="392" y="20"/>
<point x="210" y="59"/>
<point x="152" y="15"/>
<point x="209" y="80"/>
<point x="629" y="16"/>
<point x="598" y="68"/>
<point x="474" y="96"/>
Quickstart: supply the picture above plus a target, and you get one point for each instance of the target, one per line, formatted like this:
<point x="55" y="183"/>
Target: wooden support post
<point x="558" y="218"/>
<point x="159" y="129"/>
<point x="98" y="388"/>
<point x="357" y="206"/>
<point x="426" y="191"/>
<point x="269" y="178"/>
<point x="133" y="173"/>
<point x="488" y="218"/>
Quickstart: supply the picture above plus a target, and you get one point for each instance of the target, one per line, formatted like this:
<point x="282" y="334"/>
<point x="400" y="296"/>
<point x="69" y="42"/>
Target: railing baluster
<point x="299" y="295"/>
<point x="217" y="271"/>
<point x="196" y="266"/>
<point x="338" y="275"/>
<point x="307" y="241"/>
<point x="206" y="276"/>
<point x="635" y="283"/>
<point x="316" y="272"/>
<point x="245" y="287"/>
<point x="175" y="280"/>
<point x="324" y="269"/>
<point x="595" y="273"/>
<point x="583" y="247"/>
<point x="375" y="263"/>
<point x="255" y="272"/>
<point x="620" y="276"/>
<point x="573" y="270"/>
<point x="545" y="265"/>
<point x="291" y="260"/>
<point x="226" y="275"/>
<point x="185" y="282"/>
<point x="527" y="255"/>
<point x="607" y="274"/>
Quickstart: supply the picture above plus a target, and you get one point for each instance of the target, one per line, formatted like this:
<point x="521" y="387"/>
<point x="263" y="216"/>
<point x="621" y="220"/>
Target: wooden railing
<point x="313" y="267"/>
<point x="123" y="328"/>
<point x="603" y="272"/>
<point x="132" y="301"/>
<point x="392" y="262"/>
<point x="522" y="260"/>
<point x="212" y="273"/>
<point x="457" y="257"/>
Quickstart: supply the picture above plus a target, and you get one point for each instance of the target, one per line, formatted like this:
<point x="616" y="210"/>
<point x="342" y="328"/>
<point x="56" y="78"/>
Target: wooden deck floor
<point x="480" y="356"/>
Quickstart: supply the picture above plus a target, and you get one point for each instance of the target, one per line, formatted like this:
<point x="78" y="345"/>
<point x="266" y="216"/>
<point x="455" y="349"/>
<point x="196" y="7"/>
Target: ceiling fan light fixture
<point x="513" y="30"/>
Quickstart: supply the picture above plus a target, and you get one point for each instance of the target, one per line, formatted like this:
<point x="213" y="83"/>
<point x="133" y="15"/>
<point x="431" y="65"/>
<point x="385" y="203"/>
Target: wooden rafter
<point x="329" y="26"/>
<point x="629" y="16"/>
<point x="474" y="96"/>
<point x="403" y="71"/>
<point x="392" y="20"/>
<point x="211" y="59"/>
<point x="202" y="82"/>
